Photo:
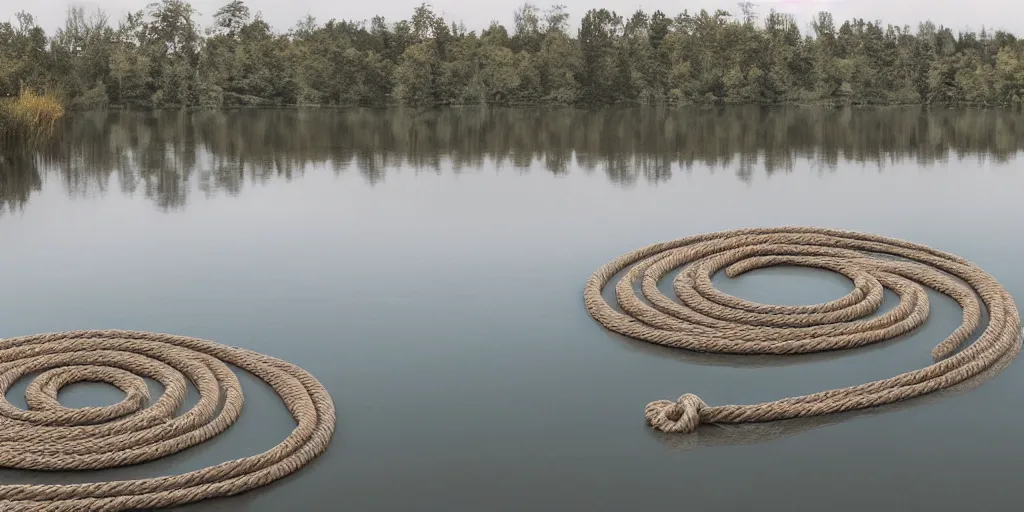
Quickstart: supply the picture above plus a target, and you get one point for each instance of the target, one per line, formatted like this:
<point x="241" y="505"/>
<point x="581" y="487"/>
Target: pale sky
<point x="956" y="14"/>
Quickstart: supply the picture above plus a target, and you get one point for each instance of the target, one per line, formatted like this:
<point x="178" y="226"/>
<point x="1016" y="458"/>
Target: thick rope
<point x="707" y="320"/>
<point x="50" y="437"/>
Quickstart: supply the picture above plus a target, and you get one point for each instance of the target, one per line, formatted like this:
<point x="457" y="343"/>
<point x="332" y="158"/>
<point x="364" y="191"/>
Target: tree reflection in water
<point x="168" y="155"/>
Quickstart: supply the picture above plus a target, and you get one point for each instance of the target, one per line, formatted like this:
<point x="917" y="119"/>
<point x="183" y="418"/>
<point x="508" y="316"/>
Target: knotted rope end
<point x="681" y="416"/>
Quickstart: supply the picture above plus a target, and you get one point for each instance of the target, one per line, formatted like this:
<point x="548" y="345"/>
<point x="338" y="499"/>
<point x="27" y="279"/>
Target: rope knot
<point x="682" y="416"/>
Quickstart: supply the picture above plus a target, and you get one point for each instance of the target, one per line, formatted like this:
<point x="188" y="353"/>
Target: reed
<point x="30" y="116"/>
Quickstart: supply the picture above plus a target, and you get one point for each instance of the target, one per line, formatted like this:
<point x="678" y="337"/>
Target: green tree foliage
<point x="159" y="57"/>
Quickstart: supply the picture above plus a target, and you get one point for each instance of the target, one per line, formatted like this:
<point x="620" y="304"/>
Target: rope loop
<point x="51" y="437"/>
<point x="704" y="319"/>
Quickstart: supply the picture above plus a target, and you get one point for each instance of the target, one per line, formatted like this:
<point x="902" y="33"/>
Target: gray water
<point x="428" y="268"/>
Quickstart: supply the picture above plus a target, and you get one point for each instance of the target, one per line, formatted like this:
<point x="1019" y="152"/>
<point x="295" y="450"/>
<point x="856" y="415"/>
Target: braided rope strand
<point x="704" y="319"/>
<point x="50" y="437"/>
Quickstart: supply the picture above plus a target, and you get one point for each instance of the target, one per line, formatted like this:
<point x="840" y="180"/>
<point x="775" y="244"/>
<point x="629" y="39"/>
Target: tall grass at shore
<point x="30" y="116"/>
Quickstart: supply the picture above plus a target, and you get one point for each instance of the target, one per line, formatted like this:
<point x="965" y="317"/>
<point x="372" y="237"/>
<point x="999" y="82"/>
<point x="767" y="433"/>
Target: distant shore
<point x="160" y="58"/>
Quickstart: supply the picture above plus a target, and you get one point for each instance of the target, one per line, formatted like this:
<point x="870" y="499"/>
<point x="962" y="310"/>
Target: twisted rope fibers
<point x="50" y="437"/>
<point x="707" y="320"/>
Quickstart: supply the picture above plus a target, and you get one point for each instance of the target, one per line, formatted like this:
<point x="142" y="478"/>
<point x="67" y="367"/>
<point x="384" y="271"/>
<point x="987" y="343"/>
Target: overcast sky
<point x="282" y="14"/>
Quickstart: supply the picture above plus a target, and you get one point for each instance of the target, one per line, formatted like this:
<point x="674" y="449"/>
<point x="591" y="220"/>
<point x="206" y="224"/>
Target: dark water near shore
<point x="428" y="269"/>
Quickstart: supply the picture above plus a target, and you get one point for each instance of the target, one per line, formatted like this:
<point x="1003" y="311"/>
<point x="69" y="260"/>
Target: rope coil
<point x="50" y="437"/>
<point x="707" y="320"/>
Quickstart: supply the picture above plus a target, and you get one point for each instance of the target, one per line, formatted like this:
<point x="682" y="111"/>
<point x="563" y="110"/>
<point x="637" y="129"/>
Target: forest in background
<point x="159" y="57"/>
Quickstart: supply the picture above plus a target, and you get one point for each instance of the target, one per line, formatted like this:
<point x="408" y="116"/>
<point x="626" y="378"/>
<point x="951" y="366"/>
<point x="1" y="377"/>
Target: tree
<point x="158" y="57"/>
<point x="230" y="19"/>
<point x="597" y="32"/>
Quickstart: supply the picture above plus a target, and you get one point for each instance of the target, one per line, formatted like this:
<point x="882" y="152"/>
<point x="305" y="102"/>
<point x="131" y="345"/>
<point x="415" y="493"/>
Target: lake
<point x="428" y="266"/>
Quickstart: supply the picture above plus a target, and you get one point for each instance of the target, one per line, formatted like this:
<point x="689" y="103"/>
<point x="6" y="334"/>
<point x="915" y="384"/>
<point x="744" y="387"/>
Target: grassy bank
<point x="29" y="116"/>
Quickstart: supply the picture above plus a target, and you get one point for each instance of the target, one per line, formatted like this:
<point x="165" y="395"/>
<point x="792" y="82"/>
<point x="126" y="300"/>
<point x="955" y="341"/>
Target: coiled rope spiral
<point x="707" y="320"/>
<point x="51" y="437"/>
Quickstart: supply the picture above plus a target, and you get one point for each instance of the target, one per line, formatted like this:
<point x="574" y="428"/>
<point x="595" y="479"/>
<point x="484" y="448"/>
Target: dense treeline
<point x="168" y="155"/>
<point x="159" y="57"/>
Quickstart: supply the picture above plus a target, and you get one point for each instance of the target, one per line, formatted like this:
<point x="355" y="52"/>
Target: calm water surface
<point x="428" y="269"/>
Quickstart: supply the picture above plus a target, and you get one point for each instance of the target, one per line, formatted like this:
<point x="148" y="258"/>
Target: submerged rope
<point x="50" y="437"/>
<point x="707" y="320"/>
